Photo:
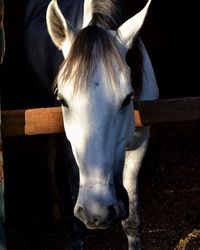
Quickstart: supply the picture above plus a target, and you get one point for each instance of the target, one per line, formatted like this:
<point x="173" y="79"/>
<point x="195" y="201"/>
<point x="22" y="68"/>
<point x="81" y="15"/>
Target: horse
<point x="74" y="43"/>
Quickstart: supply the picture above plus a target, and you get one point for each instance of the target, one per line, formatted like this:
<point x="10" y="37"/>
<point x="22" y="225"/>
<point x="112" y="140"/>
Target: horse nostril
<point x="79" y="209"/>
<point x="80" y="213"/>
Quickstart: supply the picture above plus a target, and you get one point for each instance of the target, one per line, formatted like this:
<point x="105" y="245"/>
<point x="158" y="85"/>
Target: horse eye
<point x="64" y="103"/>
<point x="127" y="100"/>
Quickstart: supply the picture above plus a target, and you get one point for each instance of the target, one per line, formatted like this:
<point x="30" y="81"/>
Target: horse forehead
<point x="97" y="90"/>
<point x="100" y="84"/>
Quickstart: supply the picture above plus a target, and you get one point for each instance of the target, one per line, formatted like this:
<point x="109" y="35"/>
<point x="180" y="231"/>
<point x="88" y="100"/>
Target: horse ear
<point x="87" y="13"/>
<point x="128" y="31"/>
<point x="61" y="31"/>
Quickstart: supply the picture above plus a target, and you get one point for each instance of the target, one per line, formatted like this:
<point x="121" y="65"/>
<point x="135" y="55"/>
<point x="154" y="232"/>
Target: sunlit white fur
<point x="95" y="125"/>
<point x="87" y="13"/>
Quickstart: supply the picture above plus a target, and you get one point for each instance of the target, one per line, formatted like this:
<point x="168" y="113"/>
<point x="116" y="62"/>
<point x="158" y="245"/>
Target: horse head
<point x="94" y="87"/>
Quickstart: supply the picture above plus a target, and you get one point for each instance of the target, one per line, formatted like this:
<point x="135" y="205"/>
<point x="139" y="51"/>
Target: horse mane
<point x="134" y="59"/>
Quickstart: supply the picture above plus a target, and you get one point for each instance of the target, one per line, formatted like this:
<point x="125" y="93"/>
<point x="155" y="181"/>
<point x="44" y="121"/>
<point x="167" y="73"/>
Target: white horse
<point x="94" y="87"/>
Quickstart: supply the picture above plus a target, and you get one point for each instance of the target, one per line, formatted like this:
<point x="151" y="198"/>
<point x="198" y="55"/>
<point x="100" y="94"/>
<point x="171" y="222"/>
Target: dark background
<point x="170" y="34"/>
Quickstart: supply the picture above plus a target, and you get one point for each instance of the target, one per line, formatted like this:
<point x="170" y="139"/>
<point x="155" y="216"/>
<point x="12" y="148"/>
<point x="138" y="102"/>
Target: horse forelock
<point x="91" y="46"/>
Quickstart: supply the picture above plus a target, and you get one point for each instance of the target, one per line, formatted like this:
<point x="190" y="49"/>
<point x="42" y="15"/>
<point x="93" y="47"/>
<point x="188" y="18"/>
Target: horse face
<point x="98" y="123"/>
<point x="98" y="120"/>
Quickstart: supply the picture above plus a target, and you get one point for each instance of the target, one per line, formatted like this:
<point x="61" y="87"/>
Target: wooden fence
<point x="49" y="120"/>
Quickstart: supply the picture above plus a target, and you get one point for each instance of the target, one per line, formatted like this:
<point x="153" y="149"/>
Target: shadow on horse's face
<point x="95" y="91"/>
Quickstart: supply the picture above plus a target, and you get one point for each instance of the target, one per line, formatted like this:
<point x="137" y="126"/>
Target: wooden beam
<point x="169" y="110"/>
<point x="32" y="121"/>
<point x="147" y="113"/>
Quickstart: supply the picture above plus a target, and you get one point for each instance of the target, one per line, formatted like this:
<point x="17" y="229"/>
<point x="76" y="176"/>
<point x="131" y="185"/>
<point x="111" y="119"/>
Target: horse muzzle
<point x="98" y="216"/>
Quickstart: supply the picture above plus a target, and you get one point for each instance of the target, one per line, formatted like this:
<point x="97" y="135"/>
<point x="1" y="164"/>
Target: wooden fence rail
<point x="49" y="120"/>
